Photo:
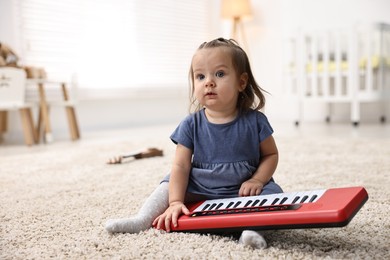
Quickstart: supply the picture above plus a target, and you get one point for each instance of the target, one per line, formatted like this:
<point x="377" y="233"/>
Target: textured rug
<point x="55" y="199"/>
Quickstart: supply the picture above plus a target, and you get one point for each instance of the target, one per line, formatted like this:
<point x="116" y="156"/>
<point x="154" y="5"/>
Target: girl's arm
<point x="267" y="167"/>
<point x="177" y="189"/>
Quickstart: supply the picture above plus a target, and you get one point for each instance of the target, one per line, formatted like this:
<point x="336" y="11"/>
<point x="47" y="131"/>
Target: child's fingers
<point x="155" y="221"/>
<point x="175" y="215"/>
<point x="167" y="224"/>
<point x="161" y="222"/>
<point x="158" y="223"/>
<point x="174" y="219"/>
<point x="185" y="210"/>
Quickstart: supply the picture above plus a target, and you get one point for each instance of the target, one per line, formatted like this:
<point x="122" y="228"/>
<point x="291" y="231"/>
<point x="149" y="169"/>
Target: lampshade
<point x="235" y="8"/>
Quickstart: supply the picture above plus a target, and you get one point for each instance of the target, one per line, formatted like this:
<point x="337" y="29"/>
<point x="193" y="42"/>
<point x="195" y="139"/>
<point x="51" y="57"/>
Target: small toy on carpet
<point x="150" y="152"/>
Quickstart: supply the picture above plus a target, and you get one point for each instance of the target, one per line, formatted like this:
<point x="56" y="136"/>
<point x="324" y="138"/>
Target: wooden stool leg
<point x="3" y="121"/>
<point x="34" y="131"/>
<point x="71" y="114"/>
<point x="28" y="127"/>
<point x="3" y="124"/>
<point x="73" y="126"/>
<point x="45" y="113"/>
<point x="38" y="130"/>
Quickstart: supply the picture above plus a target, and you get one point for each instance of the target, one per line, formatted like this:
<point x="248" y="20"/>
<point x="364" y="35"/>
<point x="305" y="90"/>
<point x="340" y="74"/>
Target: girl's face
<point x="216" y="83"/>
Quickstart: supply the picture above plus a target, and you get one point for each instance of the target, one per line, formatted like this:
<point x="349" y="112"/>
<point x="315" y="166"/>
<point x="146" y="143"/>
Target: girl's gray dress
<point x="224" y="155"/>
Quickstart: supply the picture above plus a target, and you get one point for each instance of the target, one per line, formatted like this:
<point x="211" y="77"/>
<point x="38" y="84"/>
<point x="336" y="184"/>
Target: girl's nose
<point x="210" y="83"/>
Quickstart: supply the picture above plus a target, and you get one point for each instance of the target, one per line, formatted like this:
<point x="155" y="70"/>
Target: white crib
<point x="350" y="65"/>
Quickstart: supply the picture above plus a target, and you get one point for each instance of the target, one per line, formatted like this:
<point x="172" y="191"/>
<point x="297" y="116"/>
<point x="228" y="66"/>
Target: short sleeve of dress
<point x="265" y="128"/>
<point x="183" y="134"/>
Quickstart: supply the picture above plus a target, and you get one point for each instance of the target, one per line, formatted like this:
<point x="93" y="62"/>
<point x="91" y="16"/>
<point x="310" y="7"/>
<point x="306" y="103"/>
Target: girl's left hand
<point x="251" y="187"/>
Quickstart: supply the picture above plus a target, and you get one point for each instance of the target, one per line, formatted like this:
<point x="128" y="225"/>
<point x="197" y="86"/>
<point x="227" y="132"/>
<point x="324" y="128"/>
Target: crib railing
<point x="351" y="65"/>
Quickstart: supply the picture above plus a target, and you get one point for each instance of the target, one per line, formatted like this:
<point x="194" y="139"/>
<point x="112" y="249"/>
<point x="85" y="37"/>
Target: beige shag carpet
<point x="55" y="199"/>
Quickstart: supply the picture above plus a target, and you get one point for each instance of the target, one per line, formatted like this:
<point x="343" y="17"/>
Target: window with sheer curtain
<point x="113" y="43"/>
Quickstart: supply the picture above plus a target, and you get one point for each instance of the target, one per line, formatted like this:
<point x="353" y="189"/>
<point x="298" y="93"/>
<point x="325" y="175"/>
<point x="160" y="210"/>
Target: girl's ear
<point x="243" y="81"/>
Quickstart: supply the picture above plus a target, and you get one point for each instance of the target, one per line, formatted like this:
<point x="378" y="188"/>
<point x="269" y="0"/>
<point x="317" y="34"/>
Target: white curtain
<point x="113" y="43"/>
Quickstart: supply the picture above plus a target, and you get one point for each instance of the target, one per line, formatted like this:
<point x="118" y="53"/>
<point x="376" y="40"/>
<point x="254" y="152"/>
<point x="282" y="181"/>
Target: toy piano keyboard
<point x="308" y="209"/>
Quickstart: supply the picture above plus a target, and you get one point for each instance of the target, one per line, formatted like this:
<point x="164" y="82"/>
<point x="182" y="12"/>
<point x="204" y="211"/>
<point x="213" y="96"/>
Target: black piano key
<point x="263" y="201"/>
<point x="304" y="198"/>
<point x="313" y="198"/>
<point x="248" y="203"/>
<point x="295" y="199"/>
<point x="212" y="206"/>
<point x="283" y="200"/>
<point x="229" y="205"/>
<point x="206" y="207"/>
<point x="255" y="203"/>
<point x="219" y="205"/>
<point x="237" y="204"/>
<point x="275" y="201"/>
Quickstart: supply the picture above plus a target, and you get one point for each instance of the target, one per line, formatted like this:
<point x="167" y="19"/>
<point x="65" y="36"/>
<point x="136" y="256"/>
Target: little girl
<point x="224" y="149"/>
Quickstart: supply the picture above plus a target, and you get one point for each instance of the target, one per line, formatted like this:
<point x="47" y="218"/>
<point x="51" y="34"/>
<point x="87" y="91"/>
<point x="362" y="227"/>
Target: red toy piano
<point x="307" y="209"/>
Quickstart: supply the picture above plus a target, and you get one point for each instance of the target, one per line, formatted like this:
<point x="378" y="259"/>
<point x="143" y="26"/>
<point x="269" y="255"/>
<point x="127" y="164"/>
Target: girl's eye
<point x="220" y="74"/>
<point x="199" y="76"/>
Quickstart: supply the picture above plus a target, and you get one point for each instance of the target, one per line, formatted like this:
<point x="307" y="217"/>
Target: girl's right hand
<point x="170" y="215"/>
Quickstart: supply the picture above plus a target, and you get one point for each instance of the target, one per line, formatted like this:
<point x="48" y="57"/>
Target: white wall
<point x="272" y="21"/>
